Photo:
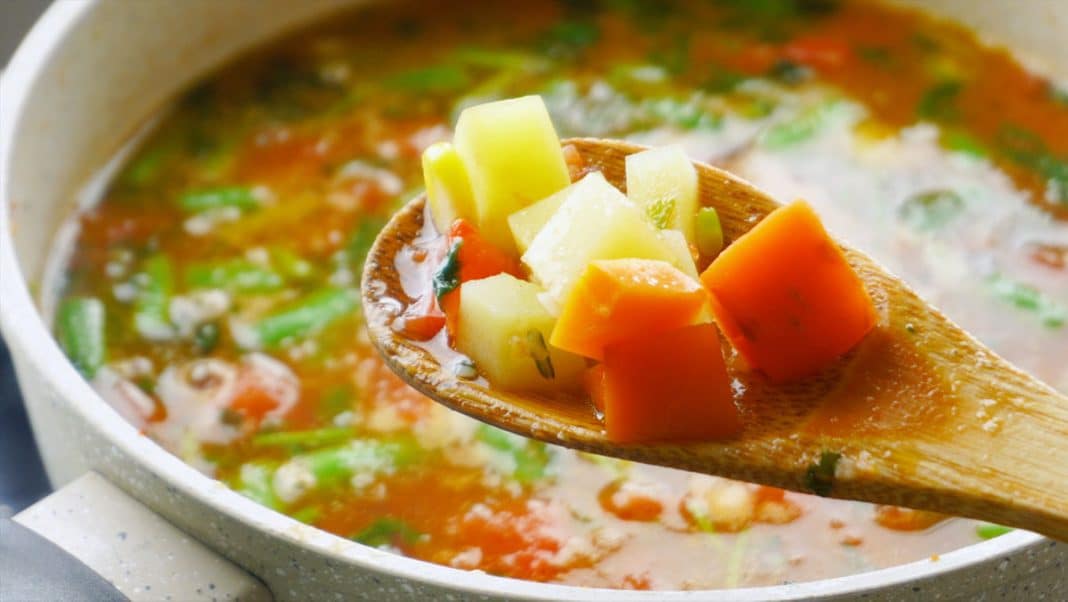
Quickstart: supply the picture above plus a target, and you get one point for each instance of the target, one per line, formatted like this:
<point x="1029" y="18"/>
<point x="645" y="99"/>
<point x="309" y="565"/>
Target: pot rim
<point x="25" y="331"/>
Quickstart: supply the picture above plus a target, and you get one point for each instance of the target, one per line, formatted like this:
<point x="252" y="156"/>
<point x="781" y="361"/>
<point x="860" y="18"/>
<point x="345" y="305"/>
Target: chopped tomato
<point x="628" y="503"/>
<point x="478" y="257"/>
<point x="516" y="541"/>
<point x="264" y="386"/>
<point x="906" y="519"/>
<point x="821" y="53"/>
<point x="422" y="319"/>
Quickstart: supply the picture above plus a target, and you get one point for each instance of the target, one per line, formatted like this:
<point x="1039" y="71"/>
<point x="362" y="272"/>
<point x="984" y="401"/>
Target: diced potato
<point x="526" y="223"/>
<point x="663" y="182"/>
<point x="681" y="250"/>
<point x="448" y="188"/>
<point x="595" y="221"/>
<point x="513" y="157"/>
<point x="505" y="330"/>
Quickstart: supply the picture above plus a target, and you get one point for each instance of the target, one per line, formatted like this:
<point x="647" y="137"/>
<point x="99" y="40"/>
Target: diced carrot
<point x="593" y="382"/>
<point x="668" y="386"/>
<point x="263" y="387"/>
<point x="786" y="297"/>
<point x="620" y="299"/>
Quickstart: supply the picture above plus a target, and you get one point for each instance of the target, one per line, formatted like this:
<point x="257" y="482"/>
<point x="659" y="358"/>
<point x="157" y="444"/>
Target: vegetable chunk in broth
<point x="211" y="295"/>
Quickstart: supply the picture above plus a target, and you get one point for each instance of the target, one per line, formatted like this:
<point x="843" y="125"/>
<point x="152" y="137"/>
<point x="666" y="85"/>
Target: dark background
<point x="22" y="478"/>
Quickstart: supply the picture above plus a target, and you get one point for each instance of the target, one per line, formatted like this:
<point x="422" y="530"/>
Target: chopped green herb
<point x="307" y="316"/>
<point x="962" y="142"/>
<point x="722" y="81"/>
<point x="465" y="368"/>
<point x="708" y="233"/>
<point x="152" y="306"/>
<point x="799" y="129"/>
<point x="789" y="72"/>
<point x="990" y="530"/>
<point x="531" y="457"/>
<point x="439" y="78"/>
<point x="333" y="465"/>
<point x="876" y="55"/>
<point x="675" y="59"/>
<point x="291" y="265"/>
<point x="302" y="439"/>
<point x="206" y="337"/>
<point x="233" y="275"/>
<point x="80" y="325"/>
<point x="569" y="38"/>
<point x="447" y="277"/>
<point x="931" y="210"/>
<point x="819" y="478"/>
<point x="216" y="198"/>
<point x="360" y="242"/>
<point x="539" y="352"/>
<point x="1027" y="149"/>
<point x="1051" y="313"/>
<point x="497" y="58"/>
<point x="939" y="103"/>
<point x="387" y="531"/>
<point x="686" y="115"/>
<point x="307" y="515"/>
<point x="144" y="168"/>
<point x="335" y="400"/>
<point x="661" y="212"/>
<point x="254" y="482"/>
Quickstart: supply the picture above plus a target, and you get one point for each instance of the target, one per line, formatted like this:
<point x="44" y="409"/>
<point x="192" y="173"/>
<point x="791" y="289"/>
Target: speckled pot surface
<point x="90" y="73"/>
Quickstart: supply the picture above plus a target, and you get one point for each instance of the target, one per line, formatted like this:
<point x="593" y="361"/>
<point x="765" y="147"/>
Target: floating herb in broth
<point x="211" y="298"/>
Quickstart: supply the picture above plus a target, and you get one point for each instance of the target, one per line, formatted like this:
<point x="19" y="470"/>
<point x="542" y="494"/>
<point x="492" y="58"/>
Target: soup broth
<point x="211" y="294"/>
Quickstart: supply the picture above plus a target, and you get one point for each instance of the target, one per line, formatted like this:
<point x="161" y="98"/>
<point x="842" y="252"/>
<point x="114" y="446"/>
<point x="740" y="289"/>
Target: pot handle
<point x="92" y="541"/>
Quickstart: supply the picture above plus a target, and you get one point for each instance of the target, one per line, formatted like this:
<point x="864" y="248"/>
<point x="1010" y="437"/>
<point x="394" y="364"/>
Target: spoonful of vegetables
<point x="629" y="302"/>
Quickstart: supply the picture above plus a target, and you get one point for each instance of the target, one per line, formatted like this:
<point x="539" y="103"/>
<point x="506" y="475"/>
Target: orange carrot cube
<point x="668" y="386"/>
<point x="786" y="297"/>
<point x="619" y="299"/>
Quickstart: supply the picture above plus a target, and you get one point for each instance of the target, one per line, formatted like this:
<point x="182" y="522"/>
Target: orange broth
<point x="227" y="251"/>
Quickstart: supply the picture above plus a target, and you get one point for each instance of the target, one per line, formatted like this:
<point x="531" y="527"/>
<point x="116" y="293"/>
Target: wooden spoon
<point x="920" y="414"/>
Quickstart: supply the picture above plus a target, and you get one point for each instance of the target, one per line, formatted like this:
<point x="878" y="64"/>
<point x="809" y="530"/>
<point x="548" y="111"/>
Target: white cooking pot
<point x="87" y="77"/>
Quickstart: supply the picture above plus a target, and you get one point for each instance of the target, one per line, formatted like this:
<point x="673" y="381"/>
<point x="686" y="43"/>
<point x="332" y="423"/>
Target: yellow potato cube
<point x="505" y="329"/>
<point x="526" y="223"/>
<point x="448" y="188"/>
<point x="595" y="221"/>
<point x="513" y="158"/>
<point x="663" y="182"/>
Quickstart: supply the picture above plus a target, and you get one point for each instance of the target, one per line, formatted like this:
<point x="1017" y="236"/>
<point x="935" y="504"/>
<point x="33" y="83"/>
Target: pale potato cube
<point x="513" y="158"/>
<point x="505" y="330"/>
<point x="681" y="250"/>
<point x="595" y="221"/>
<point x="526" y="223"/>
<point x="663" y="182"/>
<point x="448" y="188"/>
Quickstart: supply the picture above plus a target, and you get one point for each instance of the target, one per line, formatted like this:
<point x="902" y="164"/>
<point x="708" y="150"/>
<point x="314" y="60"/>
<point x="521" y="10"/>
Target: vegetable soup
<point x="211" y="294"/>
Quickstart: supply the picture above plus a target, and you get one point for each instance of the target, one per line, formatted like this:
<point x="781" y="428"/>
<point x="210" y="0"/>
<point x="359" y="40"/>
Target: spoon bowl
<point x="920" y="414"/>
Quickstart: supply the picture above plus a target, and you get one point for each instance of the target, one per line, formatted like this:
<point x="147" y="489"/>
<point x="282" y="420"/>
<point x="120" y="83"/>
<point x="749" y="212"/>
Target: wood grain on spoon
<point x="921" y="413"/>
